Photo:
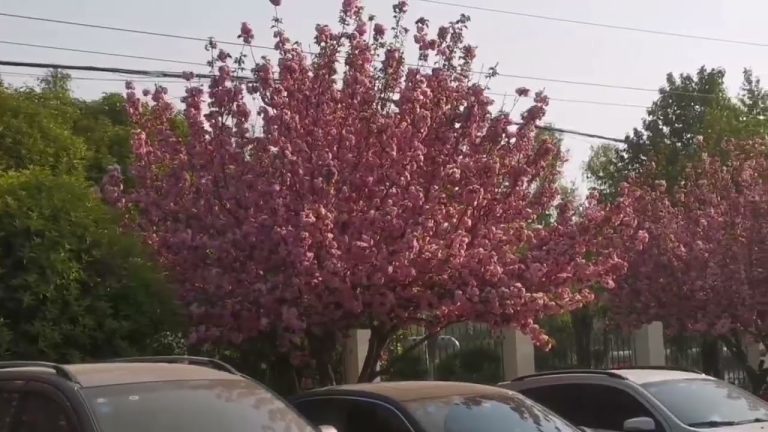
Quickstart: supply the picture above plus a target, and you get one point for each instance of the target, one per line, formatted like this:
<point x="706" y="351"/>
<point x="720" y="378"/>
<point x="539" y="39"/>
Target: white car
<point x="645" y="400"/>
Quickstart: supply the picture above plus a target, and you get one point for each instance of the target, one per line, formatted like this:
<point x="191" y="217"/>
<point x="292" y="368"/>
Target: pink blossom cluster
<point x="705" y="268"/>
<point x="375" y="195"/>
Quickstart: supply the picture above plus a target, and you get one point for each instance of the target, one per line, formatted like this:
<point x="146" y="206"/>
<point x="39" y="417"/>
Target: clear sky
<point x="521" y="46"/>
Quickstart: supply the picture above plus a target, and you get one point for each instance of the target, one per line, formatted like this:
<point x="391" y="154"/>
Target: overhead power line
<point x="126" y="30"/>
<point x="82" y="78"/>
<point x="178" y="75"/>
<point x="111" y="54"/>
<point x="168" y="74"/>
<point x="200" y="39"/>
<point x="596" y="24"/>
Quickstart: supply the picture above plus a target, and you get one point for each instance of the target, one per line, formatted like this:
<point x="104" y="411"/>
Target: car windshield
<point x="486" y="413"/>
<point x="192" y="406"/>
<point x="706" y="403"/>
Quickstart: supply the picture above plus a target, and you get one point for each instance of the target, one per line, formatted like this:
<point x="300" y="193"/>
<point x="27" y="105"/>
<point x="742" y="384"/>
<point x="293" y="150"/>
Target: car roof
<point x="104" y="374"/>
<point x="643" y="376"/>
<point x="637" y="375"/>
<point x="405" y="391"/>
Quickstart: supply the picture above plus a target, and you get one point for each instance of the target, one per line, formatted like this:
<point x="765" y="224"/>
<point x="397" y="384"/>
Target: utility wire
<point x="500" y="74"/>
<point x="168" y="74"/>
<point x="82" y="78"/>
<point x="101" y="53"/>
<point x="126" y="30"/>
<point x="596" y="24"/>
<point x="137" y="72"/>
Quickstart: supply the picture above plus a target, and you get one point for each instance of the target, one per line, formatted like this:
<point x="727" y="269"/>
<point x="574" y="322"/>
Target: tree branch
<point x="407" y="351"/>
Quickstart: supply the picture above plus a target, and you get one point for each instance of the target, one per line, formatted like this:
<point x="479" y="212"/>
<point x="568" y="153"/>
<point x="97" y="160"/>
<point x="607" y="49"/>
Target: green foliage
<point x="72" y="286"/>
<point x="481" y="365"/>
<point x="48" y="128"/>
<point x="691" y="107"/>
<point x="410" y="367"/>
<point x="36" y="131"/>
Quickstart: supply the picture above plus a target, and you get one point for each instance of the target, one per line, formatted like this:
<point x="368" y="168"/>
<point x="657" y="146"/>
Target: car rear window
<point x="486" y="413"/>
<point x="192" y="406"/>
<point x="696" y="402"/>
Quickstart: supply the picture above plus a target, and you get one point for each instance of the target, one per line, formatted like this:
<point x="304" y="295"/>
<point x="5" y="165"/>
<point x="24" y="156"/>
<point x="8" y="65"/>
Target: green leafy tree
<point x="35" y="131"/>
<point x="47" y="127"/>
<point x="693" y="113"/>
<point x="690" y="108"/>
<point x="72" y="285"/>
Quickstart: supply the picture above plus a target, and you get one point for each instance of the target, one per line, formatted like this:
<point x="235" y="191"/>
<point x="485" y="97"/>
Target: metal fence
<point x="602" y="348"/>
<point x="686" y="351"/>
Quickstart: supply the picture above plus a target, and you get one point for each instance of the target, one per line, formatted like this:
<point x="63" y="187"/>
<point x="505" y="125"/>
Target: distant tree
<point x="691" y="108"/>
<point x="36" y="131"/>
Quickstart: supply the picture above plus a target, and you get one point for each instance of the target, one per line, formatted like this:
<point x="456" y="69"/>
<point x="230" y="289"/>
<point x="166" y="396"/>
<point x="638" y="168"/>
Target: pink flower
<point x="188" y="75"/>
<point x="246" y="33"/>
<point x="379" y="30"/>
<point x="523" y="92"/>
<point x="276" y="2"/>
<point x="130" y="86"/>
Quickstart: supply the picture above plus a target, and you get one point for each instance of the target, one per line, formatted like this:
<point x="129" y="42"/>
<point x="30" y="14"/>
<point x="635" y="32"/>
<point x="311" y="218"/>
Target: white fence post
<point x="649" y="345"/>
<point x="517" y="354"/>
<point x="355" y="348"/>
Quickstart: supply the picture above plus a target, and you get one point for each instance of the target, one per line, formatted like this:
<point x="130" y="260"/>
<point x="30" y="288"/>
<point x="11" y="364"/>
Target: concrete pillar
<point x="752" y="348"/>
<point x="517" y="354"/>
<point x="649" y="345"/>
<point x="355" y="348"/>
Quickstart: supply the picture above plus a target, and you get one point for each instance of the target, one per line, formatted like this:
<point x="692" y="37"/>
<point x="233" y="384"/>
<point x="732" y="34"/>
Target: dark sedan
<point x="426" y="406"/>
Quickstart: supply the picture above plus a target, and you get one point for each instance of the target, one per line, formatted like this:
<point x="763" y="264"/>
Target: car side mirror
<point x="327" y="428"/>
<point x="640" y="424"/>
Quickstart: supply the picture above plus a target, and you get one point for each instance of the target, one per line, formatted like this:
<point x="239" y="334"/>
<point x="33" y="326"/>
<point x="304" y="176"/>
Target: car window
<point x="352" y="414"/>
<point x="496" y="412"/>
<point x="594" y="406"/>
<point x="8" y="402"/>
<point x="41" y="413"/>
<point x="192" y="406"/>
<point x="700" y="401"/>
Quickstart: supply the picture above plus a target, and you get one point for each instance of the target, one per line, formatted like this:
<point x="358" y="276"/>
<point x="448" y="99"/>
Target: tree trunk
<point x="582" y="321"/>
<point x="376" y="344"/>
<point x="710" y="357"/>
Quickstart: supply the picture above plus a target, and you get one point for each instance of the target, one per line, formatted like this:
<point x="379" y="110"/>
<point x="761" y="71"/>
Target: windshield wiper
<point x="754" y="420"/>
<point x="712" y="423"/>
<point x="719" y="423"/>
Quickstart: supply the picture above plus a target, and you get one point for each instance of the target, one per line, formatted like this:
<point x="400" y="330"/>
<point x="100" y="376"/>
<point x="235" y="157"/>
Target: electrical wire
<point x="596" y="24"/>
<point x="500" y="74"/>
<point x="168" y="74"/>
<point x="137" y="57"/>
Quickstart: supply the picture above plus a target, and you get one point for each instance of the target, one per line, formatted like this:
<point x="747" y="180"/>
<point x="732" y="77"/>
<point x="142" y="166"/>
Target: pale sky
<point x="521" y="46"/>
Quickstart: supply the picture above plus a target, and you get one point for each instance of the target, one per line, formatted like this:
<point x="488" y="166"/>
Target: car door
<point x="596" y="406"/>
<point x="352" y="414"/>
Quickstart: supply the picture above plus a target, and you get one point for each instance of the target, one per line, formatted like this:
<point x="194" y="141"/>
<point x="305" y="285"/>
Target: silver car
<point x="645" y="400"/>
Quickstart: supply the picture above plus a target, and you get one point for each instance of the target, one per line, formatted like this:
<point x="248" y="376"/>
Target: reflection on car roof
<point x="404" y="391"/>
<point x="642" y="376"/>
<point x="101" y="374"/>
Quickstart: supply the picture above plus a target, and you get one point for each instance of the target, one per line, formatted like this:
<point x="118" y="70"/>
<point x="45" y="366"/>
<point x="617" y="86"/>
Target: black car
<point x="426" y="406"/>
<point x="161" y="394"/>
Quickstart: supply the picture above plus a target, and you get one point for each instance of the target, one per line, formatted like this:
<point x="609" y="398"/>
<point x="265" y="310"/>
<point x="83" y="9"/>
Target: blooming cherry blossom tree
<point x="705" y="269"/>
<point x="378" y="194"/>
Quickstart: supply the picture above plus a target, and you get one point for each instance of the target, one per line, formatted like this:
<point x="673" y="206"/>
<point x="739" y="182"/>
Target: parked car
<point x="644" y="400"/>
<point x="426" y="406"/>
<point x="158" y="394"/>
